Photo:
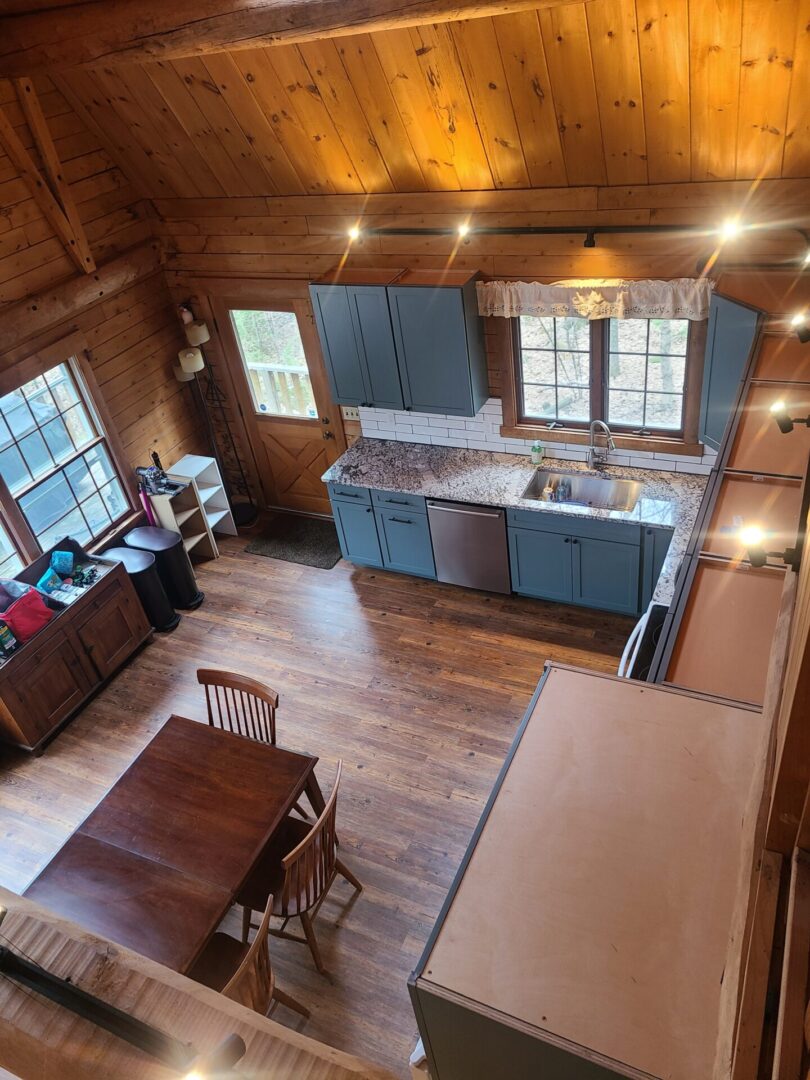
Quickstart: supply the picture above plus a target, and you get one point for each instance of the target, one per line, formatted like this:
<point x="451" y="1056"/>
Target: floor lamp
<point x="192" y="362"/>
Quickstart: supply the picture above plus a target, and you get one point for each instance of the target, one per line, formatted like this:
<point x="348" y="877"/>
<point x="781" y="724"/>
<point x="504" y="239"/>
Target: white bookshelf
<point x="201" y="510"/>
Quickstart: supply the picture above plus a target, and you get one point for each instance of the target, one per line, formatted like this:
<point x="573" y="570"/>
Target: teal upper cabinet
<point x="354" y="325"/>
<point x="417" y="344"/>
<point x="440" y="343"/>
<point x="729" y="337"/>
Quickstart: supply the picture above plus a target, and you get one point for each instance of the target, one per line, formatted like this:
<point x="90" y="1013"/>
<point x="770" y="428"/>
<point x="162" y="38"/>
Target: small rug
<point x="303" y="540"/>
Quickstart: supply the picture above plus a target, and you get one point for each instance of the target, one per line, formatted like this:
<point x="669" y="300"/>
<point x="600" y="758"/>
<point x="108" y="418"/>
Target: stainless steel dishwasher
<point x="469" y="545"/>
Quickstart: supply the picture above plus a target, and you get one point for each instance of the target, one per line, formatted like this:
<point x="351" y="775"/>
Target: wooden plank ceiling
<point x="609" y="92"/>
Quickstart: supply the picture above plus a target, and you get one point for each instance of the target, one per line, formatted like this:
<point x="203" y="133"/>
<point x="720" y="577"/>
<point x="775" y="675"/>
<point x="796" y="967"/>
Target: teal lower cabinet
<point x="357" y="532"/>
<point x="573" y="561"/>
<point x="540" y="564"/>
<point x="405" y="540"/>
<point x="605" y="575"/>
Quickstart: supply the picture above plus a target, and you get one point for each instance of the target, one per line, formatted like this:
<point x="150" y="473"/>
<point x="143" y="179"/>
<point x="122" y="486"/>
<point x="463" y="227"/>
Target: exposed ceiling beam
<point x="70" y="33"/>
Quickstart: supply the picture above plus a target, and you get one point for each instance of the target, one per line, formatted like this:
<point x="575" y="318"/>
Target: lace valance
<point x="605" y="298"/>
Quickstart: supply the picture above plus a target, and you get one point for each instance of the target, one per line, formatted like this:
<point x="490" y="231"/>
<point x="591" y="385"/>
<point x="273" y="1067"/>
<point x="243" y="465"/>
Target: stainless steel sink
<point x="602" y="492"/>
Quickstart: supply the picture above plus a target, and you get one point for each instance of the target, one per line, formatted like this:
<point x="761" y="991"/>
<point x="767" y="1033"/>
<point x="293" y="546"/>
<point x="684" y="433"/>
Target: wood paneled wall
<point x="133" y="335"/>
<point x="303" y="236"/>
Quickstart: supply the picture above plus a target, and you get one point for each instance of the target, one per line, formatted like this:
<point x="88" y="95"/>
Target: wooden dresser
<point x="50" y="677"/>
<point x="587" y="933"/>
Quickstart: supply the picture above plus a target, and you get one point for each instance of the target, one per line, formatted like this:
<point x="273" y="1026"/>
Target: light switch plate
<point x="350" y="412"/>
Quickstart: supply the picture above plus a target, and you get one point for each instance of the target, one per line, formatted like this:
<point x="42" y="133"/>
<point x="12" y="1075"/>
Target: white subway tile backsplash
<point x="483" y="432"/>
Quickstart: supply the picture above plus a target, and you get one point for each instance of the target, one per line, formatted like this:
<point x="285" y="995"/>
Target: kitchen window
<point x="58" y="470"/>
<point x="639" y="375"/>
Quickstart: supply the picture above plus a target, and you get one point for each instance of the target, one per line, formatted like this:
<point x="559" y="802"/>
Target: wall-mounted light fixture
<point x="801" y="321"/>
<point x="753" y="540"/>
<point x="785" y="422"/>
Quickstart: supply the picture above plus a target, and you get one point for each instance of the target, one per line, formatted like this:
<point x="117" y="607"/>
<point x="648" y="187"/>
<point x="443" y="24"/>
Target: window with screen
<point x="55" y="461"/>
<point x="647" y="373"/>
<point x="274" y="361"/>
<point x="555" y="368"/>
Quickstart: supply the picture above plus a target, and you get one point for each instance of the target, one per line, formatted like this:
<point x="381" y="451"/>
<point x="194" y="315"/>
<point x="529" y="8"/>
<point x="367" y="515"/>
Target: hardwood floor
<point x="418" y="686"/>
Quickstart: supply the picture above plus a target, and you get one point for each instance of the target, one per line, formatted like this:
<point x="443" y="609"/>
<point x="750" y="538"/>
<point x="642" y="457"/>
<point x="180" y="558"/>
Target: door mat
<point x="303" y="540"/>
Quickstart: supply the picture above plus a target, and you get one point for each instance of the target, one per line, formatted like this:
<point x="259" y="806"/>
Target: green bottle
<point x="8" y="643"/>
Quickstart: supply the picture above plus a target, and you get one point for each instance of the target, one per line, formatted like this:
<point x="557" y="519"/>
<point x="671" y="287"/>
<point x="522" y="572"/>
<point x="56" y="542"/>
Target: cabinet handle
<point x="402" y="521"/>
<point x="348" y="494"/>
<point x="398" y="502"/>
<point x="575" y="541"/>
<point x="568" y="540"/>
<point x="368" y="509"/>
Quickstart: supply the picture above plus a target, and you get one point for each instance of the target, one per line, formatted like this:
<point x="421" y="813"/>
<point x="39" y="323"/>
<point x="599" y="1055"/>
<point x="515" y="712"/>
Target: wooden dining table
<point x="165" y="853"/>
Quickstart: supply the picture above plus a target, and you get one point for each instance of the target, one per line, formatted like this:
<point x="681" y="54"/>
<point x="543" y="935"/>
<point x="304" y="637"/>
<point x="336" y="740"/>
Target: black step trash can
<point x="172" y="561"/>
<point x="140" y="565"/>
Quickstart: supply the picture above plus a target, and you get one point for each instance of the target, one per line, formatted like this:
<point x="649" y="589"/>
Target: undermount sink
<point x="602" y="492"/>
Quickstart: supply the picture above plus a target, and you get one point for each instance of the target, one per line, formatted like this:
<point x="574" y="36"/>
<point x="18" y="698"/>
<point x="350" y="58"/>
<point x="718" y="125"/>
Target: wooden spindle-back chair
<point x="244" y="973"/>
<point x="304" y="877"/>
<point x="240" y="704"/>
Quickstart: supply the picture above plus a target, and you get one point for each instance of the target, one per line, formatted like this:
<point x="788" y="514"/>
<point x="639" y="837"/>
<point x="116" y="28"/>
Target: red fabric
<point x="27" y="615"/>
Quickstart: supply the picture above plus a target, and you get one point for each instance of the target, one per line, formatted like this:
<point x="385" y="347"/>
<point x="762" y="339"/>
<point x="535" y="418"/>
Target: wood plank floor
<point x="418" y="686"/>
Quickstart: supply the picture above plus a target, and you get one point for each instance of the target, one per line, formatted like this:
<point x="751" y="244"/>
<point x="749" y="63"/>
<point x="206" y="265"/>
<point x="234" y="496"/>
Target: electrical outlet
<point x="350" y="412"/>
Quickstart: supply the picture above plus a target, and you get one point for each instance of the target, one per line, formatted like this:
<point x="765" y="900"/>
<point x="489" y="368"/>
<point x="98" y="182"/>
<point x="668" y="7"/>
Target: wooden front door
<point x="295" y="430"/>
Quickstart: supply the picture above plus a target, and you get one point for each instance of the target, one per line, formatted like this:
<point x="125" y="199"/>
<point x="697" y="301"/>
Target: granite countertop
<point x="477" y="476"/>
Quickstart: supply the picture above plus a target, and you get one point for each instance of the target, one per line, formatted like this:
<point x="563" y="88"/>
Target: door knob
<point x="328" y="435"/>
<point x="324" y="419"/>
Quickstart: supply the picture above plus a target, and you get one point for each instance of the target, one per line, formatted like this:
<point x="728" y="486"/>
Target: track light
<point x="463" y="229"/>
<point x="779" y="412"/>
<point x="753" y="540"/>
<point x="806" y="259"/>
<point x="354" y="232"/>
<point x="730" y="229"/>
<point x="590" y="239"/>
<point x="801" y="324"/>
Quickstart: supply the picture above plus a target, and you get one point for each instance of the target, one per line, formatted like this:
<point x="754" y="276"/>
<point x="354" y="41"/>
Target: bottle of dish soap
<point x="537" y="454"/>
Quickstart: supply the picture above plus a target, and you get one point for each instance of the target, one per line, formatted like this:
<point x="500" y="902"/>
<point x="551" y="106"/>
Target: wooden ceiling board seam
<point x="257" y="129"/>
<point x="305" y="98"/>
<point x="171" y="87"/>
<point x="325" y="66"/>
<point x="568" y="54"/>
<point x="768" y="40"/>
<point x="209" y="100"/>
<point x="613" y="37"/>
<point x="715" y="42"/>
<point x="438" y="59"/>
<point x="523" y="55"/>
<point x="263" y="82"/>
<point x="138" y="123"/>
<point x="483" y="72"/>
<point x="365" y="73"/>
<point x="796" y="156"/>
<point x="663" y="42"/>
<point x="197" y="174"/>
<point x="131" y="159"/>
<point x="409" y="90"/>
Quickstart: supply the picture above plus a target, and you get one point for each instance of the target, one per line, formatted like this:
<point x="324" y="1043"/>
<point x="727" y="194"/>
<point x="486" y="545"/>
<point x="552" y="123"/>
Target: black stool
<point x="140" y="565"/>
<point x="173" y="563"/>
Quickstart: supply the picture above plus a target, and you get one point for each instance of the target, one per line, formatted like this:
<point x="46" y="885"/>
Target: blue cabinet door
<point x="344" y="369"/>
<point x="357" y="532"/>
<point x="431" y="340"/>
<point x="729" y="337"/>
<point x="406" y="544"/>
<point x="605" y="575"/>
<point x="540" y="564"/>
<point x="375" y="340"/>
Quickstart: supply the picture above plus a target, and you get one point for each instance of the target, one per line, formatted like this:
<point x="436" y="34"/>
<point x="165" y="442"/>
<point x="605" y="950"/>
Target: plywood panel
<point x="603" y="788"/>
<point x="724" y="638"/>
<point x="759" y="445"/>
<point x="663" y="30"/>
<point x="772" y="505"/>
<point x="783" y="358"/>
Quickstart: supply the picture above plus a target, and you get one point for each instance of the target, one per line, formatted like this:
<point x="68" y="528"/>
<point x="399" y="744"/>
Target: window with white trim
<point x="55" y="460"/>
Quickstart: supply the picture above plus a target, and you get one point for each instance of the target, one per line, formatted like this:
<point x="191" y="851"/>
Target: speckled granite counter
<point x="475" y="476"/>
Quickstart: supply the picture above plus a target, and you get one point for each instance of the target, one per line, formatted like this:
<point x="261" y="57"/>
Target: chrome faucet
<point x="597" y="454"/>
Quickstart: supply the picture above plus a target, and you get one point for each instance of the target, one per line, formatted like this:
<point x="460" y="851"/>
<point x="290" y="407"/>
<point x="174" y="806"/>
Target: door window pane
<point x="555" y="368"/>
<point x="274" y="362"/>
<point x="647" y="373"/>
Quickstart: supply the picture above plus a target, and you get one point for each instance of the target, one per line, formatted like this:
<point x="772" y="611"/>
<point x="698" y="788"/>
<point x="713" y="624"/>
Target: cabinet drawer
<point x="395" y="499"/>
<point x="406" y="543"/>
<point x="620" y="532"/>
<point x="347" y="491"/>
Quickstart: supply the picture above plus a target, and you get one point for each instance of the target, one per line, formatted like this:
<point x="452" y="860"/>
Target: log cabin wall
<point x="132" y="331"/>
